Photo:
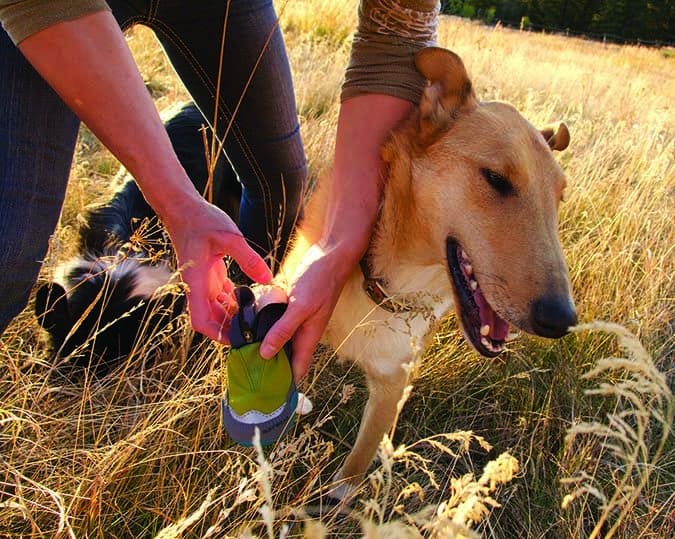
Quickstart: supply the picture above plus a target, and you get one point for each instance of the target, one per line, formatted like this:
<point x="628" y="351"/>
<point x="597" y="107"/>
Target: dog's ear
<point x="449" y="91"/>
<point x="557" y="136"/>
<point x="51" y="309"/>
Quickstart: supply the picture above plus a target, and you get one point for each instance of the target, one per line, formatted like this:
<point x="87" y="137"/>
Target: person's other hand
<point x="201" y="237"/>
<point x="313" y="294"/>
<point x="364" y="123"/>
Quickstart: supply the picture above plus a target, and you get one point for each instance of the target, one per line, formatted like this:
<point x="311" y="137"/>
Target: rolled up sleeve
<point x="22" y="18"/>
<point x="388" y="35"/>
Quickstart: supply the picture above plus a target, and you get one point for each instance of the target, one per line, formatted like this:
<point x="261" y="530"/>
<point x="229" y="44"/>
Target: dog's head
<point x="485" y="192"/>
<point x="108" y="306"/>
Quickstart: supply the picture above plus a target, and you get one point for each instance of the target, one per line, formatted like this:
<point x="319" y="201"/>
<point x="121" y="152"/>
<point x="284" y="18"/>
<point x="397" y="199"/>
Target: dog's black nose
<point x="552" y="316"/>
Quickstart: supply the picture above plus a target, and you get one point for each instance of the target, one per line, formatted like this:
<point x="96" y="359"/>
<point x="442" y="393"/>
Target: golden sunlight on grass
<point x="554" y="439"/>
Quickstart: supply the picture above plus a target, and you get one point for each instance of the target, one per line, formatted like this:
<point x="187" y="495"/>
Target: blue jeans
<point x="263" y="144"/>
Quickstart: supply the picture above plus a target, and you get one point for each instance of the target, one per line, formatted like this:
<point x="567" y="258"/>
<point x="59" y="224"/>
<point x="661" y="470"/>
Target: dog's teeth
<point x="485" y="343"/>
<point x="473" y="284"/>
<point x="485" y="330"/>
<point x="468" y="268"/>
<point x="463" y="254"/>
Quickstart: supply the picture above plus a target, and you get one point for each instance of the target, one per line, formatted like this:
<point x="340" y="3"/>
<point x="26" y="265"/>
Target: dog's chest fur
<point x="381" y="341"/>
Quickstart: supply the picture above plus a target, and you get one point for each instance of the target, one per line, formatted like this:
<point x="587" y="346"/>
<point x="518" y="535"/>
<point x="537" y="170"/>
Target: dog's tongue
<point x="499" y="328"/>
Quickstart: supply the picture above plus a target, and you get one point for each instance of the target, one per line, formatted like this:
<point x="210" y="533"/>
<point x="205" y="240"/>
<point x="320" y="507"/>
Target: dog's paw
<point x="304" y="406"/>
<point x="342" y="489"/>
<point x="266" y="294"/>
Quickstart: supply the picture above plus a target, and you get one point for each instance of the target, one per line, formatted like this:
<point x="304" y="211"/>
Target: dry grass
<point x="140" y="453"/>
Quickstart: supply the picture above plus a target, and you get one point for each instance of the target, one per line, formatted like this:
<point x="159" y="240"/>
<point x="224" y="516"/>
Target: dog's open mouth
<point x="484" y="328"/>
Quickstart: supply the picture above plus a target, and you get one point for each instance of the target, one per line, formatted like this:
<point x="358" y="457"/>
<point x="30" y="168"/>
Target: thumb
<point x="281" y="332"/>
<point x="250" y="262"/>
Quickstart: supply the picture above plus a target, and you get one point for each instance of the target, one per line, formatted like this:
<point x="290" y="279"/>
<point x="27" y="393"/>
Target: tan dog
<point x="468" y="218"/>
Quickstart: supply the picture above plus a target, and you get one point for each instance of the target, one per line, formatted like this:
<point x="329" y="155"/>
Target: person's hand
<point x="201" y="237"/>
<point x="313" y="293"/>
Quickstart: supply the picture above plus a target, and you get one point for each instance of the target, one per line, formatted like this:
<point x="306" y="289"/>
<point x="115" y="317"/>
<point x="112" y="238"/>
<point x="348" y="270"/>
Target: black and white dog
<point x="113" y="295"/>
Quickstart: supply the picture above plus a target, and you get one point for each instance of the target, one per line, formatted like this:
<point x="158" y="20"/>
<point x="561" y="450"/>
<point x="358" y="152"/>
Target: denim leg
<point x="263" y="140"/>
<point x="37" y="140"/>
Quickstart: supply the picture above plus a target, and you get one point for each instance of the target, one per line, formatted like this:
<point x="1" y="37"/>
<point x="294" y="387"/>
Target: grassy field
<point x="559" y="439"/>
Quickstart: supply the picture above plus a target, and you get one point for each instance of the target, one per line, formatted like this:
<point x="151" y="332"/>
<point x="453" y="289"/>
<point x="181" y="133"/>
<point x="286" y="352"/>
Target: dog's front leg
<point x="378" y="418"/>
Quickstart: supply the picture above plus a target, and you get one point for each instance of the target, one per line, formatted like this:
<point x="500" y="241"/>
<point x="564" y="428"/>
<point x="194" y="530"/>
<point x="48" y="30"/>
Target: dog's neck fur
<point x="422" y="286"/>
<point x="390" y="255"/>
<point x="398" y="211"/>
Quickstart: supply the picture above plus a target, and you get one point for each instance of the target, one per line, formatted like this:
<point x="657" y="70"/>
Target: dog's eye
<point x="499" y="183"/>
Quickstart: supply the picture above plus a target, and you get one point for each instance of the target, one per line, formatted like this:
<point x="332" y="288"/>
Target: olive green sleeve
<point x="22" y="18"/>
<point x="388" y="35"/>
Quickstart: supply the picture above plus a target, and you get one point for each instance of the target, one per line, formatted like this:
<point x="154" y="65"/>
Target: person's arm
<point x="364" y="123"/>
<point x="88" y="63"/>
<point x="381" y="87"/>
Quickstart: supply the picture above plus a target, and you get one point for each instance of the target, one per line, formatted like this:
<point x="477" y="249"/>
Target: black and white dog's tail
<point x="120" y="291"/>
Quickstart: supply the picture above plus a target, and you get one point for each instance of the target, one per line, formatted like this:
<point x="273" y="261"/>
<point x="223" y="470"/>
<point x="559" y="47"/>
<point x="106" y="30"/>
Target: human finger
<point x="208" y="316"/>
<point x="305" y="341"/>
<point x="213" y="330"/>
<point x="283" y="330"/>
<point x="217" y="326"/>
<point x="227" y="293"/>
<point x="250" y="262"/>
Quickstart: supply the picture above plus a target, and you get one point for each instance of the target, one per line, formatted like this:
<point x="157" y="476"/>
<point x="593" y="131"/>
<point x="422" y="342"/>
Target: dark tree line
<point x="630" y="20"/>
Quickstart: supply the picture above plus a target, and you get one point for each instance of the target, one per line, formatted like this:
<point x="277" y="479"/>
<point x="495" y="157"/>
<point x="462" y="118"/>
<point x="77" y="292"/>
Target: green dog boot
<point x="261" y="392"/>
